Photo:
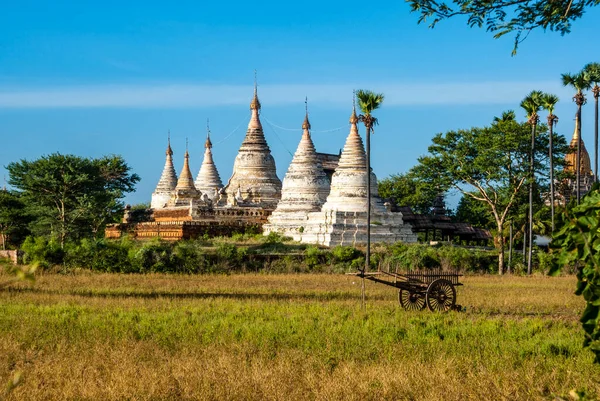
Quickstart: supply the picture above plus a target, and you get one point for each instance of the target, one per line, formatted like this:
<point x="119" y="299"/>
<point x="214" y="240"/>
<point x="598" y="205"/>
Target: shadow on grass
<point x="307" y="296"/>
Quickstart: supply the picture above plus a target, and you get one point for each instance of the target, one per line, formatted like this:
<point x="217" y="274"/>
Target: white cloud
<point x="198" y="95"/>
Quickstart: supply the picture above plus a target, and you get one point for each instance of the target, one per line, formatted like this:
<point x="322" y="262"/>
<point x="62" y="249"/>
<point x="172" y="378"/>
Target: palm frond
<point x="368" y="100"/>
<point x="549" y="101"/>
<point x="593" y="71"/>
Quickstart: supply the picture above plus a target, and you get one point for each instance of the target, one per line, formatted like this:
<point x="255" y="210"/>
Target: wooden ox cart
<point x="435" y="288"/>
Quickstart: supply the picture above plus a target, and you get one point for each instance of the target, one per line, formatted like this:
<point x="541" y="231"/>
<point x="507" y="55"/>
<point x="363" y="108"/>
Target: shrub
<point x="42" y="252"/>
<point x="345" y="254"/>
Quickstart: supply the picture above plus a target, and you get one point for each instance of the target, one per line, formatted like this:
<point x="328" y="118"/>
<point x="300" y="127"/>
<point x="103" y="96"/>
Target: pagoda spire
<point x="167" y="181"/>
<point x="254" y="170"/>
<point x="185" y="182"/>
<point x="208" y="179"/>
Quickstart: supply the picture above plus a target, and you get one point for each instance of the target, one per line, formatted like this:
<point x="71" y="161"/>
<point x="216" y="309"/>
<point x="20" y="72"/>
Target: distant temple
<point x="567" y="189"/>
<point x="322" y="199"/>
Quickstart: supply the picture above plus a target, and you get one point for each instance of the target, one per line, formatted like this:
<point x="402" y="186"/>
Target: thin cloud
<point x="198" y="95"/>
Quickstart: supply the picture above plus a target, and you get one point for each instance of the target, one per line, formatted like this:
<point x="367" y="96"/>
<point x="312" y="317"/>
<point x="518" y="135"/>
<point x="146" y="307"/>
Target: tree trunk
<point x="578" y="163"/>
<point x="368" y="140"/>
<point x="531" y="179"/>
<point x="596" y="92"/>
<point x="510" y="248"/>
<point x="524" y="250"/>
<point x="551" y="124"/>
<point x="500" y="242"/>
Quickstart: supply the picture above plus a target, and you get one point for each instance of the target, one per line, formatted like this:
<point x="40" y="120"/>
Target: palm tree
<point x="579" y="82"/>
<point x="593" y="72"/>
<point x="532" y="105"/>
<point x="548" y="103"/>
<point x="368" y="102"/>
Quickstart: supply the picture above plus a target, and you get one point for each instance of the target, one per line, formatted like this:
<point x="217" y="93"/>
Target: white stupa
<point x="254" y="181"/>
<point x="343" y="218"/>
<point x="305" y="189"/>
<point x="166" y="183"/>
<point x="208" y="180"/>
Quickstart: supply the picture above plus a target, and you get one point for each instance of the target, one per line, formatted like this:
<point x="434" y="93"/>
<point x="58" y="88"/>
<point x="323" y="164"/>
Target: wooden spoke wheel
<point x="440" y="296"/>
<point x="411" y="300"/>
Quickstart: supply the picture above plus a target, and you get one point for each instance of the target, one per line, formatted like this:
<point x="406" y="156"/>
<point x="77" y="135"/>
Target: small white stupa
<point x="305" y="189"/>
<point x="208" y="180"/>
<point x="343" y="218"/>
<point x="167" y="182"/>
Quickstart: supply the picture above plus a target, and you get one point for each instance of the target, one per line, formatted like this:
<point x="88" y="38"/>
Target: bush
<point x="345" y="254"/>
<point x="42" y="252"/>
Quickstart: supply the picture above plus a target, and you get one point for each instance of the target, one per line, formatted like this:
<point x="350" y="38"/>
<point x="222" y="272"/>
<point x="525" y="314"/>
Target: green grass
<point x="103" y="336"/>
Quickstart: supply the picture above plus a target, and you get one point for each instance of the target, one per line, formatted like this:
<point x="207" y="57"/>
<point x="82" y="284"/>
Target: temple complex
<point x="323" y="198"/>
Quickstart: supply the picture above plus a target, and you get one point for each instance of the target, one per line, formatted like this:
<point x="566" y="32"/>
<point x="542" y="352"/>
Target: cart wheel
<point x="410" y="300"/>
<point x="440" y="296"/>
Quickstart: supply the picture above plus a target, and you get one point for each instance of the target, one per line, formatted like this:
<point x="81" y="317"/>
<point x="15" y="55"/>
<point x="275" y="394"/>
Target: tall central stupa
<point x="254" y="181"/>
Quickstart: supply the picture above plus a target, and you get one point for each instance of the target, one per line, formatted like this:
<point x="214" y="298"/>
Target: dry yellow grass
<point x="281" y="337"/>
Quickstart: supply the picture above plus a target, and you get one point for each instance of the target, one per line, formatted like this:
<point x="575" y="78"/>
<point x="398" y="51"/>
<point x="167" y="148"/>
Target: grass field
<point x="287" y="337"/>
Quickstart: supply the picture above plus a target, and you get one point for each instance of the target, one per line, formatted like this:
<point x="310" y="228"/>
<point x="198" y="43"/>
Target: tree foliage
<point x="501" y="17"/>
<point x="489" y="164"/>
<point x="71" y="196"/>
<point x="408" y="190"/>
<point x="577" y="242"/>
<point x="13" y="219"/>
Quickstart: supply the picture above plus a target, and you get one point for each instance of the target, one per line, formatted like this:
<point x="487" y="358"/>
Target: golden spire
<point x="353" y="117"/>
<point x="169" y="150"/>
<point x="255" y="103"/>
<point x="306" y="123"/>
<point x="576" y="133"/>
<point x="208" y="143"/>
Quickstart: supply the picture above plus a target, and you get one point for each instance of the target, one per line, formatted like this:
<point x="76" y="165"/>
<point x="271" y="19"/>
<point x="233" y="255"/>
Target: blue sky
<point x="114" y="77"/>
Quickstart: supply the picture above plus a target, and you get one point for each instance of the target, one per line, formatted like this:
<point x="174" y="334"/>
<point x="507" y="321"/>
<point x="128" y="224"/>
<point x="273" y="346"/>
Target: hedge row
<point x="266" y="254"/>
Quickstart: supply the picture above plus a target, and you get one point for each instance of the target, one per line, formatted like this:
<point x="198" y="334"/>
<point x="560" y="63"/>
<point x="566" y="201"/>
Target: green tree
<point x="474" y="212"/>
<point x="579" y="82"/>
<point x="72" y="196"/>
<point x="549" y="101"/>
<point x="490" y="165"/>
<point x="13" y="219"/>
<point x="532" y="105"/>
<point x="501" y="17"/>
<point x="408" y="190"/>
<point x="593" y="72"/>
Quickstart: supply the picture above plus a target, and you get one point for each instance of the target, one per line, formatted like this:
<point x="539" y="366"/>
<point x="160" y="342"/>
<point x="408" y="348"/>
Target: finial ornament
<point x="208" y="143"/>
<point x="306" y="123"/>
<point x="169" y="150"/>
<point x="255" y="104"/>
<point x="187" y="154"/>
<point x="353" y="117"/>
